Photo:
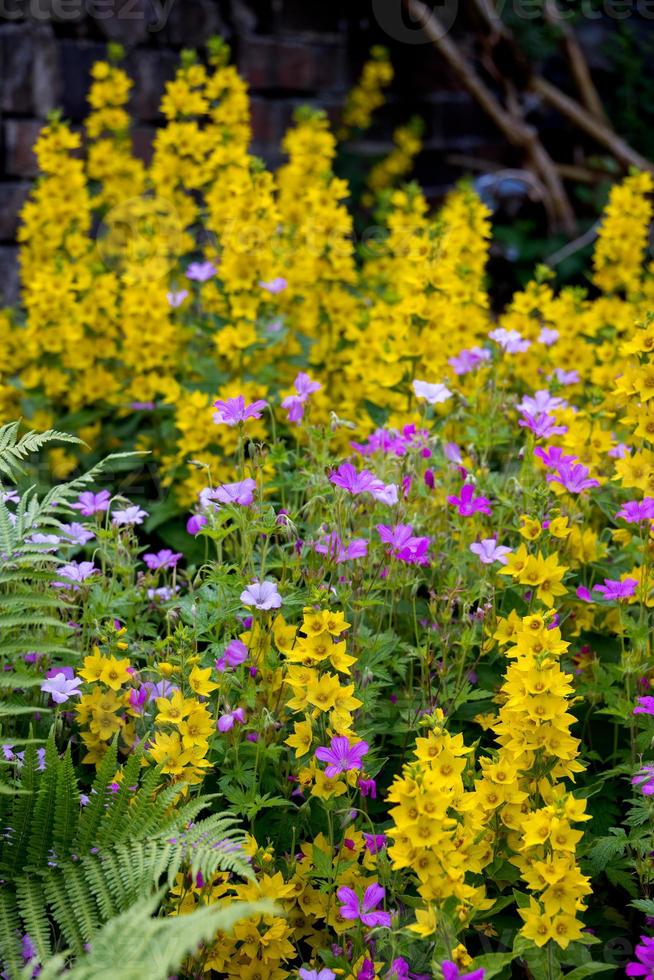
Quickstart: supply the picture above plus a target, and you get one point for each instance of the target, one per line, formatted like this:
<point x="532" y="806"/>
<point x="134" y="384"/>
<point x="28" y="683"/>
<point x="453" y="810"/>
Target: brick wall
<point x="290" y="51"/>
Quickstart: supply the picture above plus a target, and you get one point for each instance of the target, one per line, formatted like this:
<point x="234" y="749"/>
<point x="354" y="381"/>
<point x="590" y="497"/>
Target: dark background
<point x="297" y="51"/>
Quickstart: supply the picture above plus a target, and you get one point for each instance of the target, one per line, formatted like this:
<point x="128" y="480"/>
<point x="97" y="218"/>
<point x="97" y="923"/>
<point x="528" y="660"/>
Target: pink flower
<point x="195" y="523"/>
<point x="434" y="394"/>
<point x="540" y="402"/>
<point x="347" y="477"/>
<point x="294" y="404"/>
<point x="342" y="755"/>
<point x="468" y="360"/>
<point x="467" y="504"/>
<point x="262" y="595"/>
<point x="553" y="456"/>
<point x="234" y="411"/>
<point x="162" y="559"/>
<point x="365" y="910"/>
<point x="200" y="271"/>
<point x="584" y="594"/>
<point x="644" y="779"/>
<point x="333" y="546"/>
<point x="489" y="551"/>
<point x="451" y="971"/>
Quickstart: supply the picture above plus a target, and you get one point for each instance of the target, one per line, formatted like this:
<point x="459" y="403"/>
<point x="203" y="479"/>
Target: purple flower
<point x="375" y="842"/>
<point x="294" y="404"/>
<point x="262" y="595"/>
<point x="553" y="456"/>
<point x="566" y="377"/>
<point x="509" y="340"/>
<point x="540" y="403"/>
<point x="77" y="533"/>
<point x="548" y="336"/>
<point x="61" y="688"/>
<point x="542" y="425"/>
<point x="235" y="653"/>
<point x="332" y="546"/>
<point x="364" y="911"/>
<point x="347" y="477"/>
<point x="619" y="451"/>
<point x="645" y="957"/>
<point x="644" y="779"/>
<point x="489" y="551"/>
<point x="451" y="972"/>
<point x="130" y="515"/>
<point x="368" y="787"/>
<point x="573" y="477"/>
<point x="73" y="573"/>
<point x="583" y="594"/>
<point x="163" y="593"/>
<point x="240" y="492"/>
<point x="324" y="974"/>
<point x="227" y="721"/>
<point x="403" y="545"/>
<point x="635" y="511"/>
<point x="176" y="298"/>
<point x="468" y="360"/>
<point x="234" y="411"/>
<point x="467" y="504"/>
<point x="162" y="559"/>
<point x="195" y="523"/>
<point x="342" y="756"/>
<point x="645" y="706"/>
<point x="452" y="453"/>
<point x="89" y="503"/>
<point x="276" y="285"/>
<point x="200" y="271"/>
<point x="615" y="589"/>
<point x="434" y="394"/>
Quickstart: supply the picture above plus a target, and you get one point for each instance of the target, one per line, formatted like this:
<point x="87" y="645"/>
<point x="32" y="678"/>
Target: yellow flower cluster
<point x="106" y="708"/>
<point x="397" y="164"/>
<point x="622" y="238"/>
<point x="368" y="94"/>
<point x="525" y="784"/>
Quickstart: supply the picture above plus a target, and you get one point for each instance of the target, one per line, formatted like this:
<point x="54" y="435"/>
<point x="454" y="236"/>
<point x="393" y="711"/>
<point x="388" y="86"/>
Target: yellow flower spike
<point x="167" y="670"/>
<point x="93" y="666"/>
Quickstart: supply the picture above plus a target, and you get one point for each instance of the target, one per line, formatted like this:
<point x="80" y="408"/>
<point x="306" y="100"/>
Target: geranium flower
<point x="542" y="425"/>
<point x="130" y="515"/>
<point x="341" y="755"/>
<point x="234" y="411"/>
<point x="553" y="456"/>
<point x="364" y="911"/>
<point x="195" y="523"/>
<point x="61" y="687"/>
<point x="489" y="551"/>
<point x="162" y="559"/>
<point x="644" y="779"/>
<point x="510" y="340"/>
<point x="262" y="595"/>
<point x="434" y="394"/>
<point x="234" y="654"/>
<point x="635" y="511"/>
<point x="467" y="360"/>
<point x="644" y="967"/>
<point x="467" y="504"/>
<point x="613" y="589"/>
<point x="540" y="402"/>
<point x="276" y="285"/>
<point x="645" y="706"/>
<point x="77" y="533"/>
<point x="74" y="573"/>
<point x="375" y="842"/>
<point x="227" y="721"/>
<point x="200" y="271"/>
<point x="573" y="477"/>
<point x="333" y="546"/>
<point x="176" y="297"/>
<point x="566" y="377"/>
<point x="548" y="336"/>
<point x="89" y="503"/>
<point x="294" y="404"/>
<point x="451" y="971"/>
<point x="403" y="545"/>
<point x="324" y="974"/>
<point x="241" y="492"/>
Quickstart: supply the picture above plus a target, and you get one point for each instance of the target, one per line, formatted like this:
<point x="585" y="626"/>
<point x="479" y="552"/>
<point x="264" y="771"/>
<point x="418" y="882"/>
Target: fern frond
<point x="66" y="813"/>
<point x="44" y="809"/>
<point x="29" y="897"/>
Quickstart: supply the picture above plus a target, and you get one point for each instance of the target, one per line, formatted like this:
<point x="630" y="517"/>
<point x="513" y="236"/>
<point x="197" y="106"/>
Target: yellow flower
<point x="301" y="738"/>
<point x="115" y="673"/>
<point x="93" y="666"/>
<point x="200" y="682"/>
